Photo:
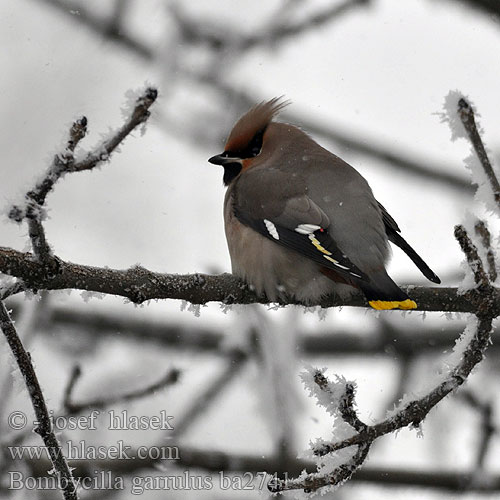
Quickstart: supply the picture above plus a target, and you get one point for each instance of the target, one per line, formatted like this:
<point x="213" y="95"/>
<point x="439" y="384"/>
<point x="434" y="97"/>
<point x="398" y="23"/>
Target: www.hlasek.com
<point x="79" y="450"/>
<point x="103" y="480"/>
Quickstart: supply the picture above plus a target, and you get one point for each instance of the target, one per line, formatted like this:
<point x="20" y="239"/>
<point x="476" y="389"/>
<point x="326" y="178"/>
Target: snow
<point x="195" y="309"/>
<point x="329" y="398"/>
<point x="131" y="97"/>
<point x="460" y="345"/>
<point x="87" y="296"/>
<point x="450" y="115"/>
<point x="484" y="193"/>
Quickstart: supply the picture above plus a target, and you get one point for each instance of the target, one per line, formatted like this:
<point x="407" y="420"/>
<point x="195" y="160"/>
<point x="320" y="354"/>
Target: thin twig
<point x="139" y="115"/>
<point x="473" y="258"/>
<point x="218" y="37"/>
<point x="79" y="12"/>
<point x="75" y="375"/>
<point x="343" y="472"/>
<point x="466" y="114"/>
<point x="483" y="232"/>
<point x="43" y="425"/>
<point x="346" y="402"/>
<point x="65" y="162"/>
<point x="235" y="362"/>
<point x="61" y="164"/>
<point x="313" y="482"/>
<point x="72" y="408"/>
<point x="12" y="289"/>
<point x="487" y="427"/>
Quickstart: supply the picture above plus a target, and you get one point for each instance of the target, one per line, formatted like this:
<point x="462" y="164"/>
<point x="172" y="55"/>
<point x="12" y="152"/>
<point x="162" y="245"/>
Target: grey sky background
<point x="380" y="72"/>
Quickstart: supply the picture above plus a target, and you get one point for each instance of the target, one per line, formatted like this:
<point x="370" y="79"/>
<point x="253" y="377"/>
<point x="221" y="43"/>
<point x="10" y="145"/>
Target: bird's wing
<point x="393" y="235"/>
<point x="295" y="222"/>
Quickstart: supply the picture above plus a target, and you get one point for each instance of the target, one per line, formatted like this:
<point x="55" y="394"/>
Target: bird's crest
<point x="252" y="122"/>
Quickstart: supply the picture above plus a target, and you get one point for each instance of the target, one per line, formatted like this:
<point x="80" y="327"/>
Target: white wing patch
<point x="306" y="228"/>
<point x="272" y="229"/>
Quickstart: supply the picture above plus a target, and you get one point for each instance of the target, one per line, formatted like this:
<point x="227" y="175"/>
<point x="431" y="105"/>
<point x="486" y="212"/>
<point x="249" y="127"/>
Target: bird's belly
<point x="276" y="271"/>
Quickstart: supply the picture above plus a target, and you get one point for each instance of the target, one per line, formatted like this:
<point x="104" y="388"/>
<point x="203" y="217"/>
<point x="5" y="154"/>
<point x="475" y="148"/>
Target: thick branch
<point x="216" y="461"/>
<point x="389" y="341"/>
<point x="139" y="285"/>
<point x="44" y="425"/>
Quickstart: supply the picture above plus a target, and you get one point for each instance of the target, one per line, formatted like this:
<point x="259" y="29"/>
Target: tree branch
<point x="216" y="461"/>
<point x="103" y="27"/>
<point x="43" y="425"/>
<point x="139" y="285"/>
<point x="483" y="232"/>
<point x="72" y="408"/>
<point x="466" y="114"/>
<point x="63" y="163"/>
<point x="217" y="37"/>
<point x="473" y="259"/>
<point x="487" y="426"/>
<point x="139" y="115"/>
<point x="412" y="414"/>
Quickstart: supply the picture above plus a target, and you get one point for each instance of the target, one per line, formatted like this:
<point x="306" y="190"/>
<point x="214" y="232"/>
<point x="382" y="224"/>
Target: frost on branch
<point x="333" y="468"/>
<point x="460" y="114"/>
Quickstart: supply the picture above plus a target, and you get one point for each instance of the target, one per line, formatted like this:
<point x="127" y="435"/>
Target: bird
<point x="300" y="222"/>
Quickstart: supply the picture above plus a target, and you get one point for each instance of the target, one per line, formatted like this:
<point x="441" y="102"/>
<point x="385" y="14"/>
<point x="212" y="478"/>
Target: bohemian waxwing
<point x="302" y="223"/>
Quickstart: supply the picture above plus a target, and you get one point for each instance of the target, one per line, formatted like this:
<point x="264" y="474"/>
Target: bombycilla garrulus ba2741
<point x="302" y="223"/>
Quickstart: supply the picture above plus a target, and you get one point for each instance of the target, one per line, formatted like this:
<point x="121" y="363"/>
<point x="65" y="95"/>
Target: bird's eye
<point x="255" y="145"/>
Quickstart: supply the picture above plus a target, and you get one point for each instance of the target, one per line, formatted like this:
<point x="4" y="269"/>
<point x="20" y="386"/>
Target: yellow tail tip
<point x="393" y="304"/>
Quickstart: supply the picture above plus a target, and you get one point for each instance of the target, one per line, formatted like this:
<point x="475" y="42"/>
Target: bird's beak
<point x="223" y="160"/>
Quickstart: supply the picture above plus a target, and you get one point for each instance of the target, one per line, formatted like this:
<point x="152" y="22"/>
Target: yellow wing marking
<point x="318" y="245"/>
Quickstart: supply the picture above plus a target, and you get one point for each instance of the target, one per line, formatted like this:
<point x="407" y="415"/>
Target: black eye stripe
<point x="251" y="150"/>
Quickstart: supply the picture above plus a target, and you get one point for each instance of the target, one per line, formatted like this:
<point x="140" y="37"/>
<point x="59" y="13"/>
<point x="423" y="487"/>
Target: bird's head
<point x="246" y="138"/>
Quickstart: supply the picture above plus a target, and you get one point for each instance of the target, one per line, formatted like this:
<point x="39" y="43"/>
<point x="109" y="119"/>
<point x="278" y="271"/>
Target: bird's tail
<point x="398" y="240"/>
<point x="383" y="293"/>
